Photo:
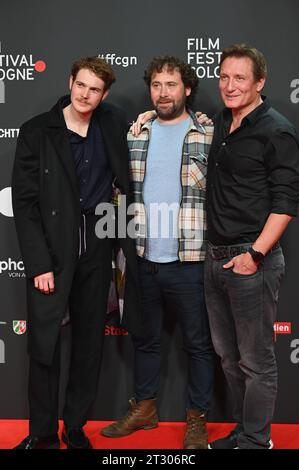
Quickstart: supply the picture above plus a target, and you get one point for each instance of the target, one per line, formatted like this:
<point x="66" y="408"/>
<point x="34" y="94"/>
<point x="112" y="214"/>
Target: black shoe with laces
<point x="231" y="441"/>
<point x="31" y="442"/>
<point x="75" y="438"/>
<point x="228" y="442"/>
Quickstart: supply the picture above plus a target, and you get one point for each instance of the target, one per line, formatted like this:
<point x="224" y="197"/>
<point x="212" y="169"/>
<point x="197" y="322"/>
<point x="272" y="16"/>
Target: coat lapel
<point x="57" y="132"/>
<point x="115" y="147"/>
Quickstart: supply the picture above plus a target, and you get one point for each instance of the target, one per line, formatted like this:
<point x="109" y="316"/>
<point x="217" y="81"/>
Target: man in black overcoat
<point x="68" y="161"/>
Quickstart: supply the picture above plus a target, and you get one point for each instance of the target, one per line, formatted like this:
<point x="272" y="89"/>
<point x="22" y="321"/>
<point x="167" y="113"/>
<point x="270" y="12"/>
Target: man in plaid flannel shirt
<point x="168" y="170"/>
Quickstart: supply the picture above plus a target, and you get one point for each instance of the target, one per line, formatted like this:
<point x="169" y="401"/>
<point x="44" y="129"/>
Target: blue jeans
<point x="178" y="287"/>
<point x="242" y="311"/>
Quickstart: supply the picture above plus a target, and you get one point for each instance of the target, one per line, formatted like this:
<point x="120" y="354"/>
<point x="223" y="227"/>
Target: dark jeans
<point x="242" y="311"/>
<point x="178" y="287"/>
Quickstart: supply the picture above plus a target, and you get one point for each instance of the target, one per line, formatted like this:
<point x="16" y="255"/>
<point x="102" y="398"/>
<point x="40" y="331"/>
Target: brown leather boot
<point x="142" y="415"/>
<point x="196" y="435"/>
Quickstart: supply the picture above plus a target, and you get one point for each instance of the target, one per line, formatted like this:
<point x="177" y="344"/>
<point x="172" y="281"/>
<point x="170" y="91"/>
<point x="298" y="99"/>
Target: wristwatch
<point x="257" y="256"/>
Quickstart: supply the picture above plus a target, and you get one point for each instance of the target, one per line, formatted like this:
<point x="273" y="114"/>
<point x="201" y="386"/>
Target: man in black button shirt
<point x="252" y="194"/>
<point x="66" y="161"/>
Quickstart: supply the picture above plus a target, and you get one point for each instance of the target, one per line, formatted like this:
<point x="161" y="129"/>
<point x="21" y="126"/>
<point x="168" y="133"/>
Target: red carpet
<point x="166" y="436"/>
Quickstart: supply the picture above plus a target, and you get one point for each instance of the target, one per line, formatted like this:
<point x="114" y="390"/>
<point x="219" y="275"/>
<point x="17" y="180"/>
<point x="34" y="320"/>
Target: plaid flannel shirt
<point x="192" y="213"/>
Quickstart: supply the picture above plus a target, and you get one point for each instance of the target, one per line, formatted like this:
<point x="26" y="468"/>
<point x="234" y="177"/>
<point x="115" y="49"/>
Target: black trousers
<point x="87" y="306"/>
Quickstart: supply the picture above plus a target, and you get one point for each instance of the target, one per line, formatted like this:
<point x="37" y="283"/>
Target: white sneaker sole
<point x="271" y="446"/>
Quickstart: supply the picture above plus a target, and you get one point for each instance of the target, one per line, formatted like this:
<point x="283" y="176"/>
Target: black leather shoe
<point x="227" y="442"/>
<point x="31" y="442"/>
<point x="75" y="438"/>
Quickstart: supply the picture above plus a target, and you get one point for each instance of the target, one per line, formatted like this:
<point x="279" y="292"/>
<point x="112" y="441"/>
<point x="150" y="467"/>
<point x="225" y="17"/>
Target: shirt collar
<point x="194" y="124"/>
<point x="251" y="117"/>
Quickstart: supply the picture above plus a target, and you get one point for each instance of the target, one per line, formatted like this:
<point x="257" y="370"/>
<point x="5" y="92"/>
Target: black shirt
<point x="92" y="167"/>
<point x="252" y="172"/>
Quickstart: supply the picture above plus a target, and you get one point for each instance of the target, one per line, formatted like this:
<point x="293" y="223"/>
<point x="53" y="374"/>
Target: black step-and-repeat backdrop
<point x="38" y="42"/>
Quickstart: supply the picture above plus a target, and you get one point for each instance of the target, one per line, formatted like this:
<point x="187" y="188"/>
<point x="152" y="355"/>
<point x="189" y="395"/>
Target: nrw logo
<point x="294" y="357"/>
<point x="2" y="347"/>
<point x="282" y="328"/>
<point x="12" y="268"/>
<point x="294" y="97"/>
<point x="20" y="67"/>
<point x="19" y="327"/>
<point x="6" y="202"/>
<point x="111" y="330"/>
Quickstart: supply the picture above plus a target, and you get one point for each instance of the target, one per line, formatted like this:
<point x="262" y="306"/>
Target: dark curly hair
<point x="244" y="50"/>
<point x="96" y="65"/>
<point x="171" y="63"/>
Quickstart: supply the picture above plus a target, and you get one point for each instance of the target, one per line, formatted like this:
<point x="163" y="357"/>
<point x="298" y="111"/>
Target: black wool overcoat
<point x="46" y="208"/>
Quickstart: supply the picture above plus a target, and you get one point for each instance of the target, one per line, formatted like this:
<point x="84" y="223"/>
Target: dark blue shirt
<point x="92" y="167"/>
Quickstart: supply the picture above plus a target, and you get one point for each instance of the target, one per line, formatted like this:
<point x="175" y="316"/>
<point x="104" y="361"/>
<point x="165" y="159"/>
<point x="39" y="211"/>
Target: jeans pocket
<point x="275" y="260"/>
<point x="246" y="276"/>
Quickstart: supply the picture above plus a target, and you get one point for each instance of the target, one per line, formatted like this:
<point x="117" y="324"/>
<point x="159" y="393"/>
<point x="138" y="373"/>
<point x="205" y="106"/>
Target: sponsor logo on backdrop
<point x="282" y="328"/>
<point x="18" y="66"/>
<point x="204" y="55"/>
<point x="6" y="202"/>
<point x="2" y="352"/>
<point x="2" y="347"/>
<point x="114" y="59"/>
<point x="19" y="327"/>
<point x="12" y="268"/>
<point x="294" y="96"/>
<point x="2" y="92"/>
<point x="111" y="330"/>
<point x="9" y="133"/>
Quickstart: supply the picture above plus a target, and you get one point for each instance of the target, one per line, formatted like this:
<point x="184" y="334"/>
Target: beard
<point x="172" y="111"/>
